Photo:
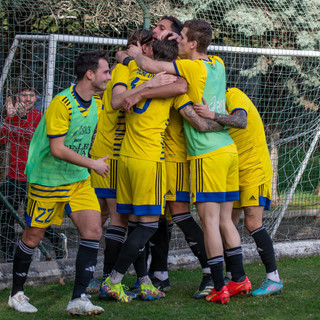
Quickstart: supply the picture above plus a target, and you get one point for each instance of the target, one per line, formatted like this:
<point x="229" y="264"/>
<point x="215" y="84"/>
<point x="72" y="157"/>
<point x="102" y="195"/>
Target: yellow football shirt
<point x="59" y="113"/>
<point x="254" y="159"/>
<point x="146" y="124"/>
<point x="111" y="123"/>
<point x="174" y="139"/>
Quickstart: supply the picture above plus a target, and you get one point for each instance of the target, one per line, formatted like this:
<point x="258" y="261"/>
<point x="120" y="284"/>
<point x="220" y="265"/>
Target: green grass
<point x="299" y="300"/>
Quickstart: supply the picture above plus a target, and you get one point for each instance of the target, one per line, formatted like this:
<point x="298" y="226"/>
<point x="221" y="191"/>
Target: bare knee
<point x="32" y="236"/>
<point x="93" y="232"/>
<point x="253" y="218"/>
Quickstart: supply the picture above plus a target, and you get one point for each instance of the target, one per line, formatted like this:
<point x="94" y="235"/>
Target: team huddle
<point x="168" y="130"/>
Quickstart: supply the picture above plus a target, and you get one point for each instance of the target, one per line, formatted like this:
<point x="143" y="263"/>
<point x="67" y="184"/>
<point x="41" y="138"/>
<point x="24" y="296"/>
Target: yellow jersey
<point x="146" y="124"/>
<point x="174" y="139"/>
<point x="59" y="113"/>
<point x="111" y="124"/>
<point x="254" y="160"/>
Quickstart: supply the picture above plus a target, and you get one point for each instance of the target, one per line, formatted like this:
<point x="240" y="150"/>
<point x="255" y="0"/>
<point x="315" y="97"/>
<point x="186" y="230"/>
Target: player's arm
<point x="159" y="80"/>
<point x="59" y="150"/>
<point x="238" y="119"/>
<point x="171" y="90"/>
<point x="57" y="122"/>
<point x="148" y="64"/>
<point x="199" y="123"/>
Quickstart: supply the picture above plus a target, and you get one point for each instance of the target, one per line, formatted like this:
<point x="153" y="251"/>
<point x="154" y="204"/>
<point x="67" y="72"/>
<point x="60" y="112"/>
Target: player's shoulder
<point x="216" y="59"/>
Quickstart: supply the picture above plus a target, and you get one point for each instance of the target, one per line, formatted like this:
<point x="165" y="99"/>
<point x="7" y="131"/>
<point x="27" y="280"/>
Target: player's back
<point x="254" y="159"/>
<point x="146" y="123"/>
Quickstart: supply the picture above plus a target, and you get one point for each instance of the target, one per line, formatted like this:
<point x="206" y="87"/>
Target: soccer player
<point x="109" y="136"/>
<point x="177" y="194"/>
<point x="141" y="175"/>
<point x="213" y="155"/>
<point x="254" y="178"/>
<point x="57" y="170"/>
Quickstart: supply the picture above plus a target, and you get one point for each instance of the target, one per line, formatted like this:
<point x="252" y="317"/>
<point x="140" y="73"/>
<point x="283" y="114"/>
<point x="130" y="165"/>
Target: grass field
<point x="299" y="300"/>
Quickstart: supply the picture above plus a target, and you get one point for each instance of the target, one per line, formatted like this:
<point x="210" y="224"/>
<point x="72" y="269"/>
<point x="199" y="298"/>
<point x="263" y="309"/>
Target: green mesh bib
<point x="42" y="168"/>
<point x="199" y="143"/>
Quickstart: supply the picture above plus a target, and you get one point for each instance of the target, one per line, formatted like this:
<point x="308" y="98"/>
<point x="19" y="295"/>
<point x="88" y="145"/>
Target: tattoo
<point x="199" y="123"/>
<point x="236" y="120"/>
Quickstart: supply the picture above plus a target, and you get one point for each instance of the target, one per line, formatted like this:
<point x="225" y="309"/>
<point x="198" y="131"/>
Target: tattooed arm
<point x="199" y="123"/>
<point x="236" y="120"/>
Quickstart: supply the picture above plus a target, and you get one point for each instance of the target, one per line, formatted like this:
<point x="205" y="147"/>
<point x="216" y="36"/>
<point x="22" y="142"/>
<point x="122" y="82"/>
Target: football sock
<point x="265" y="249"/>
<point x="216" y="266"/>
<point x="159" y="245"/>
<point x="114" y="239"/>
<point x="21" y="264"/>
<point x="85" y="265"/>
<point x="161" y="275"/>
<point x="193" y="235"/>
<point x="135" y="245"/>
<point x="235" y="261"/>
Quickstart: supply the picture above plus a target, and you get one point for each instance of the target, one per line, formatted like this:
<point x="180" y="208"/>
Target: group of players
<point x="162" y="134"/>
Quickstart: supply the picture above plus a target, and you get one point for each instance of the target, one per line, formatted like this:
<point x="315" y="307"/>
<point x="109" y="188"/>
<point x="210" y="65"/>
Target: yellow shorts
<point x="106" y="187"/>
<point x="215" y="178"/>
<point x="178" y="181"/>
<point x="141" y="186"/>
<point x="46" y="205"/>
<point x="256" y="196"/>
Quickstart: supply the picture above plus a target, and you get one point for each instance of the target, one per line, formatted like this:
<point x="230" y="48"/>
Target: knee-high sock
<point x="265" y="248"/>
<point x="21" y="264"/>
<point x="216" y="266"/>
<point x="159" y="245"/>
<point x="193" y="235"/>
<point x="114" y="239"/>
<point x="85" y="265"/>
<point x="134" y="246"/>
<point x="235" y="263"/>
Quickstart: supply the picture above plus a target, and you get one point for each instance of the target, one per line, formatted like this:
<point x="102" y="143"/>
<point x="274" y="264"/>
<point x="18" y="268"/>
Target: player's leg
<point x="253" y="222"/>
<point x="148" y="205"/>
<point x="159" y="247"/>
<point x="39" y="216"/>
<point x="84" y="211"/>
<point x="232" y="242"/>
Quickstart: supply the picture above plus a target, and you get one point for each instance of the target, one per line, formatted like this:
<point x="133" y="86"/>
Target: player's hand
<point x="134" y="51"/>
<point x="161" y="79"/>
<point x="121" y="55"/>
<point x="164" y="33"/>
<point x="101" y="167"/>
<point x="130" y="101"/>
<point x="203" y="110"/>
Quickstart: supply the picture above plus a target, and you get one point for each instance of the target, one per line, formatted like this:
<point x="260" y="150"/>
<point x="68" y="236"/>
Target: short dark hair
<point x="176" y="25"/>
<point x="144" y="36"/>
<point x="165" y="49"/>
<point x="89" y="60"/>
<point x="200" y="31"/>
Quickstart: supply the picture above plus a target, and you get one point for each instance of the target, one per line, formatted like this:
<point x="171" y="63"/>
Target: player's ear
<point x="194" y="44"/>
<point x="90" y="74"/>
<point x="143" y="48"/>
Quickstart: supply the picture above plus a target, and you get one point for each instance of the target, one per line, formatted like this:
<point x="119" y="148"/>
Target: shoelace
<point x="23" y="299"/>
